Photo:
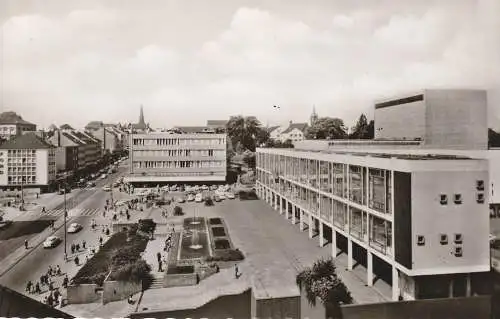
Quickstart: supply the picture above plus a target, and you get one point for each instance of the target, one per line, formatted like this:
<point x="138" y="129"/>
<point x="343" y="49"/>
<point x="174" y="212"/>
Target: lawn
<point x="215" y="221"/>
<point x="117" y="254"/>
<point x="23" y="228"/>
<point x="222" y="244"/>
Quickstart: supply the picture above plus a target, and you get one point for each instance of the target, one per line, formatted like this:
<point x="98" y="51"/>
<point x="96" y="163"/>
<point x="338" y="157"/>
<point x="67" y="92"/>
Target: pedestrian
<point x="49" y="271"/>
<point x="41" y="279"/>
<point x="61" y="300"/>
<point x="58" y="270"/>
<point x="50" y="300"/>
<point x="72" y="248"/>
<point x="56" y="294"/>
<point x="51" y="286"/>
<point x="37" y="288"/>
<point x="28" y="286"/>
<point x="236" y="271"/>
<point x="100" y="241"/>
<point x="65" y="281"/>
<point x="107" y="231"/>
<point x="37" y="195"/>
<point x="84" y="243"/>
<point x="158" y="256"/>
<point x="77" y="247"/>
<point x="160" y="268"/>
<point x="77" y="261"/>
<point x="26" y="243"/>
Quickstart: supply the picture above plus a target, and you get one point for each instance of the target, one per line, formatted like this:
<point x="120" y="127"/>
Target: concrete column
<point x="276" y="201"/>
<point x="468" y="289"/>
<point x="287" y="208"/>
<point x="294" y="219"/>
<point x="334" y="243"/>
<point x="395" y="284"/>
<point x="301" y="219"/>
<point x="369" y="271"/>
<point x="321" y="237"/>
<point x="310" y="220"/>
<point x="450" y="289"/>
<point x="349" y="254"/>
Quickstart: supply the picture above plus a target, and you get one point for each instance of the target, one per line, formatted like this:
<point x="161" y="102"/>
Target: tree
<point x="249" y="159"/>
<point x="493" y="138"/>
<point x="244" y="130"/>
<point x="321" y="281"/>
<point x="362" y="129"/>
<point x="327" y="128"/>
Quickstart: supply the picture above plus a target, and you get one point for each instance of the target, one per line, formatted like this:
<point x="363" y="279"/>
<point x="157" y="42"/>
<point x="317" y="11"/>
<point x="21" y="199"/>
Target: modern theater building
<point x="162" y="157"/>
<point x="412" y="205"/>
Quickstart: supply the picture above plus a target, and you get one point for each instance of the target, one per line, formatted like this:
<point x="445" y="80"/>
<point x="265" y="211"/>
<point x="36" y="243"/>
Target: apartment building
<point x="408" y="206"/>
<point x="27" y="161"/>
<point x="12" y="124"/>
<point x="160" y="157"/>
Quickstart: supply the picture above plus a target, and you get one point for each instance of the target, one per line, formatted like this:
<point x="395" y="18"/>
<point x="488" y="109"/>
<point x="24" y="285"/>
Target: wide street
<point x="85" y="205"/>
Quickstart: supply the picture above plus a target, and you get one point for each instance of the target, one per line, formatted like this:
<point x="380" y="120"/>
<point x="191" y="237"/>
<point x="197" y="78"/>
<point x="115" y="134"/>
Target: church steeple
<point x="314" y="116"/>
<point x="141" y="118"/>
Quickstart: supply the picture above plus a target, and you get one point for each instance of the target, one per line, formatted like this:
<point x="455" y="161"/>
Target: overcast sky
<point x="187" y="61"/>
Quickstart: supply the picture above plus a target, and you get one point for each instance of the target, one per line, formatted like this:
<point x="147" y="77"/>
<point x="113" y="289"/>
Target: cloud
<point x="102" y="63"/>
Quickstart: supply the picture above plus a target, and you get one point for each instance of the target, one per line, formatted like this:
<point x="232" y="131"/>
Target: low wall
<point x="478" y="307"/>
<point x="117" y="227"/>
<point x="119" y="290"/>
<point x="178" y="280"/>
<point x="285" y="307"/>
<point x="84" y="293"/>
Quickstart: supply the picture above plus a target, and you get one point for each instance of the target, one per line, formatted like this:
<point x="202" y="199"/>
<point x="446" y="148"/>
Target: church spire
<point x="314" y="116"/>
<point x="141" y="117"/>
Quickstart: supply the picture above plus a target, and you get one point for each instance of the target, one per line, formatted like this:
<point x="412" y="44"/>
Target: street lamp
<point x="65" y="217"/>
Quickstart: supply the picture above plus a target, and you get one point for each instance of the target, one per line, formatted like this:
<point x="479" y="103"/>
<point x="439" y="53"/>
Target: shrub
<point x="215" y="221"/>
<point x="218" y="231"/>
<point x="227" y="255"/>
<point x="222" y="244"/>
<point x="137" y="271"/>
<point x="180" y="270"/>
<point x="178" y="211"/>
<point x="147" y="225"/>
<point x="209" y="201"/>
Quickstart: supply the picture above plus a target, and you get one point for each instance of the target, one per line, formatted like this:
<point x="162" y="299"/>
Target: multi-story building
<point x="170" y="158"/>
<point x="294" y="132"/>
<point x="27" y="161"/>
<point x="12" y="124"/>
<point x="407" y="204"/>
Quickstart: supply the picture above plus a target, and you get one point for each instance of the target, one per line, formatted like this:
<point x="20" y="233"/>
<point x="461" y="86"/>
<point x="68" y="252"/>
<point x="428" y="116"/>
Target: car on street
<point x="198" y="198"/>
<point x="173" y="188"/>
<point x="213" y="187"/>
<point x="51" y="242"/>
<point x="74" y="228"/>
<point x="106" y="188"/>
<point x="222" y="196"/>
<point x="103" y="176"/>
<point x="190" y="198"/>
<point x="196" y="188"/>
<point x="229" y="195"/>
<point x="90" y="184"/>
<point x="204" y="187"/>
<point x="217" y="198"/>
<point x="180" y="200"/>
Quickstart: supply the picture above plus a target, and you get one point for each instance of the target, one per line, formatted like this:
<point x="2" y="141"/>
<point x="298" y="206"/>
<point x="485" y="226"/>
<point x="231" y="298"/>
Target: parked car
<point x="190" y="198"/>
<point x="222" y="196"/>
<point x="213" y="187"/>
<point x="198" y="198"/>
<point x="230" y="195"/>
<point x="173" y="188"/>
<point x="196" y="188"/>
<point x="90" y="184"/>
<point x="217" y="198"/>
<point x="103" y="176"/>
<point x="106" y="188"/>
<point x="74" y="228"/>
<point x="180" y="200"/>
<point x="51" y="242"/>
<point x="204" y="187"/>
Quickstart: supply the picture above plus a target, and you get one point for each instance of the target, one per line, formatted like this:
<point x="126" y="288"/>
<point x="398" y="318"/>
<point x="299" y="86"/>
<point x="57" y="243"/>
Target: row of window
<point x="178" y="164"/>
<point x="178" y="141"/>
<point x="443" y="240"/>
<point x="168" y="174"/>
<point x="30" y="179"/>
<point x="458" y="200"/>
<point x="182" y="152"/>
<point x="21" y="152"/>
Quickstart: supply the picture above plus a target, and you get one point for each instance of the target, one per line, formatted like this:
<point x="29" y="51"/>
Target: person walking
<point x="26" y="243"/>
<point x="37" y="288"/>
<point x="236" y="272"/>
<point x="28" y="286"/>
<point x="84" y="243"/>
<point x="100" y="241"/>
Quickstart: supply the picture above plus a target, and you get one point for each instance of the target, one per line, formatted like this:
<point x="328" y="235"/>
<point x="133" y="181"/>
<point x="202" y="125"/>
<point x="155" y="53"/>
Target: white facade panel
<point x="404" y="121"/>
<point x="42" y="166"/>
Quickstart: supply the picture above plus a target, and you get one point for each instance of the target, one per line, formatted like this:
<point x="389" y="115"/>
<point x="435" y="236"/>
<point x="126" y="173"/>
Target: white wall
<point x="398" y="121"/>
<point x="494" y="162"/>
<point x="430" y="219"/>
<point x="456" y="119"/>
<point x="42" y="165"/>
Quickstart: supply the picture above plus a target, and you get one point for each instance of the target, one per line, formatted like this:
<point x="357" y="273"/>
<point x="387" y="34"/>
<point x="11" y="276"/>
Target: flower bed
<point x="215" y="221"/>
<point x="222" y="244"/>
<point x="218" y="231"/>
<point x="120" y="255"/>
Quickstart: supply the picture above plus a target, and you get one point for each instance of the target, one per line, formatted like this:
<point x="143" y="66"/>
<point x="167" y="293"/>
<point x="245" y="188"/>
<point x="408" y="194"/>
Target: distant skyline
<point x="188" y="61"/>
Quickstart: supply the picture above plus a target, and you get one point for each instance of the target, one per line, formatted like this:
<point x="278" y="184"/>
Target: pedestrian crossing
<point x="71" y="212"/>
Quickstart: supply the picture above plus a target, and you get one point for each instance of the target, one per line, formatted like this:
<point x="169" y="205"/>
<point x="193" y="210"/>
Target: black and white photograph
<point x="250" y="159"/>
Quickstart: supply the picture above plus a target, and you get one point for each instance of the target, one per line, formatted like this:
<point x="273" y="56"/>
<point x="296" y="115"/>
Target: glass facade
<point x="352" y="198"/>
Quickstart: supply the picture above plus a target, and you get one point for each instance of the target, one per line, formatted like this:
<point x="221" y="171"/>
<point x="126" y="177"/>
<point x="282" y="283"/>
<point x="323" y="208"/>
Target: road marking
<point x="72" y="212"/>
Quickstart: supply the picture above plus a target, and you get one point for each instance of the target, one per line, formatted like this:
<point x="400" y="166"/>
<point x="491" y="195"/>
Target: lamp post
<point x="65" y="217"/>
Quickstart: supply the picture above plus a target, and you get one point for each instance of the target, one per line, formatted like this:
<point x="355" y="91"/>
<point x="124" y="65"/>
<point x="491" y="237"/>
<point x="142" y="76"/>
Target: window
<point x="420" y="240"/>
<point x="458" y="251"/>
<point x="480" y="185"/>
<point x="458" y="199"/>
<point x="443" y="199"/>
<point x="458" y="238"/>
<point x="480" y="198"/>
<point x="443" y="238"/>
